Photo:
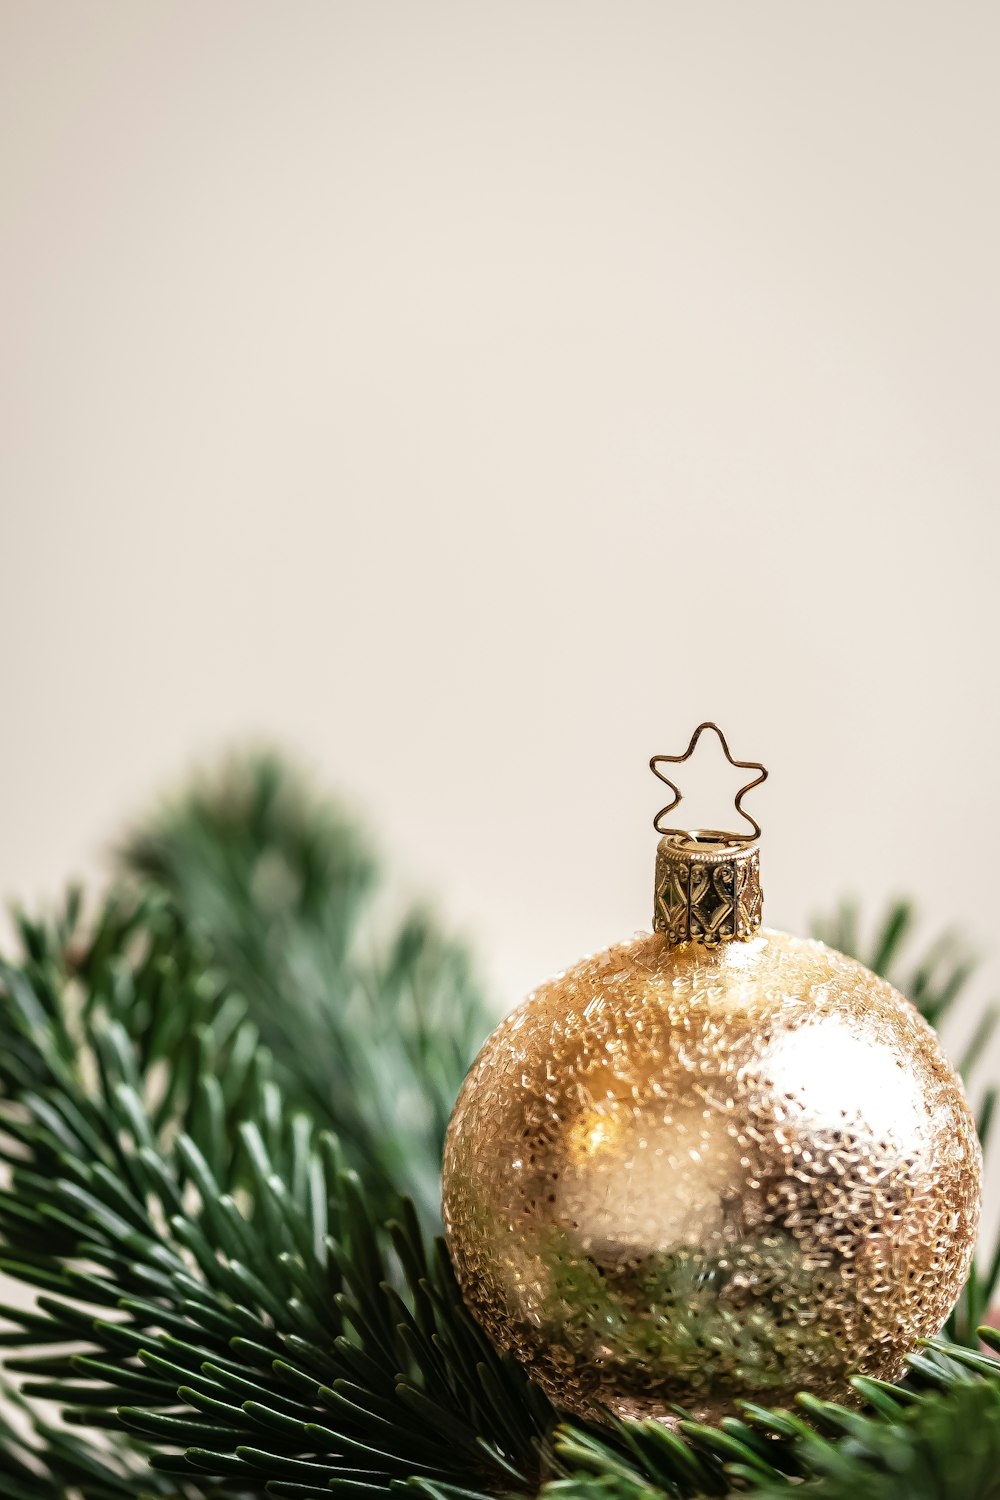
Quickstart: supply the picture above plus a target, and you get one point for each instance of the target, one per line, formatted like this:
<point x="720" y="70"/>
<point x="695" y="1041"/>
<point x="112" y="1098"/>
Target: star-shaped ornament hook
<point x="675" y="760"/>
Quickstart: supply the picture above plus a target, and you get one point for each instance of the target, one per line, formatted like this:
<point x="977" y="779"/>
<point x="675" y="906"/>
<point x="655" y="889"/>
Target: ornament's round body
<point x="691" y="1175"/>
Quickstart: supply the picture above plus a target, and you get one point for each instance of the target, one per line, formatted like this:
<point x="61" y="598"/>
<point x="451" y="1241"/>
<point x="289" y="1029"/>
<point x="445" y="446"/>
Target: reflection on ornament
<point x="593" y="1134"/>
<point x="698" y="1169"/>
<point x="856" y="1080"/>
<point x="614" y="1196"/>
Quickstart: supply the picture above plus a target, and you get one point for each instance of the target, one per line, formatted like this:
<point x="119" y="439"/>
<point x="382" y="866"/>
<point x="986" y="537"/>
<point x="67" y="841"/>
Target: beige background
<point x="473" y="396"/>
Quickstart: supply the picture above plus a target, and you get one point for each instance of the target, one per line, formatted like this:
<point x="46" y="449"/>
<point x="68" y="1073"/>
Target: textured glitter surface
<point x="681" y="1175"/>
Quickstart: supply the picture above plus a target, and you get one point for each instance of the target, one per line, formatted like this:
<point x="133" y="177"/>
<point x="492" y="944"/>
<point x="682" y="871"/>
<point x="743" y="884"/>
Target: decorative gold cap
<point x="707" y="886"/>
<point x="706" y="893"/>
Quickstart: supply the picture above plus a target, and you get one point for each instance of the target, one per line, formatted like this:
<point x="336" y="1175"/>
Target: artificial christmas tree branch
<point x="207" y="1275"/>
<point x="286" y="889"/>
<point x="218" y="1307"/>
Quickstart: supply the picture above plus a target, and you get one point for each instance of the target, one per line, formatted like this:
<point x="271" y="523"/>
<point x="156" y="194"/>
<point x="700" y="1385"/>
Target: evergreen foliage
<point x="370" y="1023"/>
<point x="222" y="1098"/>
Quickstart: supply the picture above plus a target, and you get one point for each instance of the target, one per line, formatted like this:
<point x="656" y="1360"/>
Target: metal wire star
<point x="675" y="760"/>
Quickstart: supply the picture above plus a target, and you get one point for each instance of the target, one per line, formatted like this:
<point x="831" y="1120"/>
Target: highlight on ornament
<point x="713" y="1164"/>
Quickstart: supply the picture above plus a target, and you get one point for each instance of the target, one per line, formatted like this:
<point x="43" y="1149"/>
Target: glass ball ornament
<point x="713" y="1164"/>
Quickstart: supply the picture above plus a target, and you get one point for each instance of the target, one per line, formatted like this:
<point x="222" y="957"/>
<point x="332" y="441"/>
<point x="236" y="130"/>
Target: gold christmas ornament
<point x="713" y="1164"/>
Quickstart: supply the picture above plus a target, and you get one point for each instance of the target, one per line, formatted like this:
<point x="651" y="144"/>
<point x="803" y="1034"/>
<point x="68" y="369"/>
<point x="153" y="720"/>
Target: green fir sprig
<point x="371" y="1019"/>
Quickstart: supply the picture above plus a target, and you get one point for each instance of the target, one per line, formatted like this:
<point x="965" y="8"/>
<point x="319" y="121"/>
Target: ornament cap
<point x="707" y="885"/>
<point x="707" y="888"/>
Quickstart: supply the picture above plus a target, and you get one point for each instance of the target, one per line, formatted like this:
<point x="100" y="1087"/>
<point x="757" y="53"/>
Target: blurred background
<point x="472" y="397"/>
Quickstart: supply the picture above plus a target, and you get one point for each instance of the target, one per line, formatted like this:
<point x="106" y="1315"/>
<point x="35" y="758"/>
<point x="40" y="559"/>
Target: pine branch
<point x="41" y="1461"/>
<point x="943" y="1444"/>
<point x="207" y="1275"/>
<point x="372" y="1027"/>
